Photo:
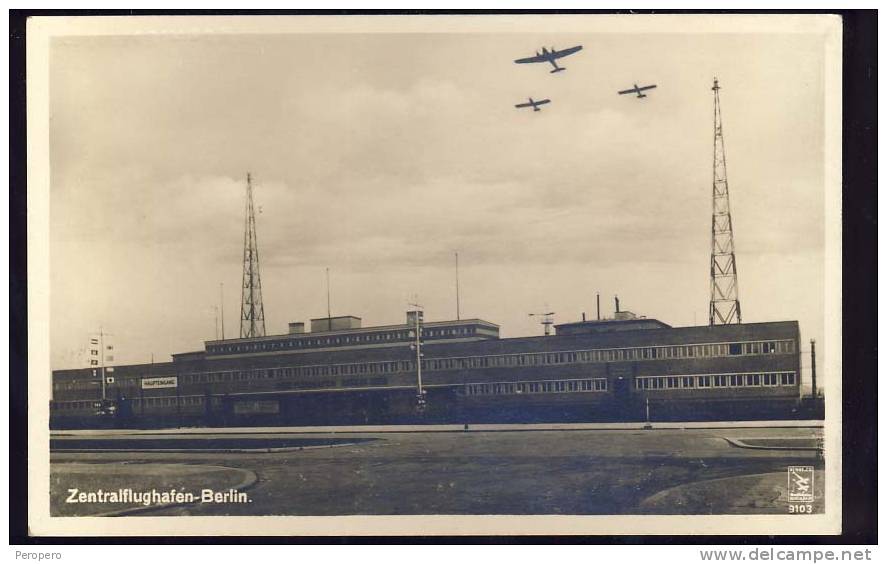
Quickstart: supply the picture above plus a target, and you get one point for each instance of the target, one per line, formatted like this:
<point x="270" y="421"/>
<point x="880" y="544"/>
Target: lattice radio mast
<point x="252" y="312"/>
<point x="724" y="305"/>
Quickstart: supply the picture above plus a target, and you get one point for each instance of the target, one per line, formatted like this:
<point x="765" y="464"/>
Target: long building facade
<point x="625" y="369"/>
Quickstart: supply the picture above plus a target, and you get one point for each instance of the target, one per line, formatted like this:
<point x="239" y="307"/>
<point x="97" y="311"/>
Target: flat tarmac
<point x="516" y="470"/>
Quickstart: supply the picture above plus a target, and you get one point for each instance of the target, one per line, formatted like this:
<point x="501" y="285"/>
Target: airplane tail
<point x="535" y="109"/>
<point x="559" y="69"/>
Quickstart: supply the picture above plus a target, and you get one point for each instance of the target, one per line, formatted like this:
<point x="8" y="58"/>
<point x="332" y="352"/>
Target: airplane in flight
<point x="534" y="103"/>
<point x="546" y="56"/>
<point x="637" y="90"/>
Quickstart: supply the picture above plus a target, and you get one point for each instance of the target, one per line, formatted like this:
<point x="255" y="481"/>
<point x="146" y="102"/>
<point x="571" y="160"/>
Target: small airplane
<point x="534" y="103"/>
<point x="546" y="56"/>
<point x="637" y="90"/>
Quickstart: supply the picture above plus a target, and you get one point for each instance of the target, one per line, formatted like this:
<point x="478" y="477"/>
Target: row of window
<point x="546" y="387"/>
<point x="356" y="339"/>
<point x="166" y="401"/>
<point x="716" y="381"/>
<point x="507" y="360"/>
<point x="74" y="405"/>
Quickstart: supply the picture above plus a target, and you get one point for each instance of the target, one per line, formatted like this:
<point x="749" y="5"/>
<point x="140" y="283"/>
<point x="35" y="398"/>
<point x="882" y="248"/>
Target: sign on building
<point x="160" y="382"/>
<point x="256" y="406"/>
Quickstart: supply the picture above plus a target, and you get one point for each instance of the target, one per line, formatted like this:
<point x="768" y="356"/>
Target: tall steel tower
<point x="252" y="312"/>
<point x="724" y="306"/>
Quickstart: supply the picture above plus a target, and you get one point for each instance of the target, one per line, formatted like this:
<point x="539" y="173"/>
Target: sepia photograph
<point x="435" y="274"/>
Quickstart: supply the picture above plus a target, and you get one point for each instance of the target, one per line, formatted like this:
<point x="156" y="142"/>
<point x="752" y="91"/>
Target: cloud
<point x="380" y="155"/>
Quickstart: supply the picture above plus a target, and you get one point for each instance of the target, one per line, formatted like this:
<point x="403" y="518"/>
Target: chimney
<point x="813" y="367"/>
<point x="617" y="303"/>
<point x="598" y="306"/>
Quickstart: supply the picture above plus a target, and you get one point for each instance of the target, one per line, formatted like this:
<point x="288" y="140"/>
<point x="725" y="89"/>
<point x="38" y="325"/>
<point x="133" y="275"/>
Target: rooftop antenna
<point x="724" y="304"/>
<point x="547" y="320"/>
<point x="458" y="316"/>
<point x="252" y="311"/>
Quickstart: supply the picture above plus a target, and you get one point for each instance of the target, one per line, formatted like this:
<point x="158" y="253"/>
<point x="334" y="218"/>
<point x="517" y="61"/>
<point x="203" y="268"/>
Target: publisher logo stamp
<point x="800" y="484"/>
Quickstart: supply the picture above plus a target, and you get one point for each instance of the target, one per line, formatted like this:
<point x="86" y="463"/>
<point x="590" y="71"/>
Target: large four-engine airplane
<point x="551" y="56"/>
<point x="546" y="56"/>
<point x="533" y="103"/>
<point x="637" y="90"/>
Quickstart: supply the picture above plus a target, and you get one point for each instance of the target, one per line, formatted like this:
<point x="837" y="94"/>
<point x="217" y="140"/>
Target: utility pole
<point x="457" y="287"/>
<point x="417" y="347"/>
<point x="102" y="362"/>
<point x="252" y="311"/>
<point x="329" y="315"/>
<point x="222" y="306"/>
<point x="647" y="424"/>
<point x="724" y="304"/>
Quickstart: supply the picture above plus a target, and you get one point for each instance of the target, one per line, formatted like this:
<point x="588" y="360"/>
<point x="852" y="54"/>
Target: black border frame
<point x="859" y="274"/>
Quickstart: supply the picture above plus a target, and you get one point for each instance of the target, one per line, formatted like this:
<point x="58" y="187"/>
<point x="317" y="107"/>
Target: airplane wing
<point x="524" y="105"/>
<point x="629" y="91"/>
<point x="565" y="52"/>
<point x="646" y="87"/>
<point x="536" y="59"/>
<point x="540" y="102"/>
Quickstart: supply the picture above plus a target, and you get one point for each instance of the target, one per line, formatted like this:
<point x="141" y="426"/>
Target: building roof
<point x="336" y="332"/>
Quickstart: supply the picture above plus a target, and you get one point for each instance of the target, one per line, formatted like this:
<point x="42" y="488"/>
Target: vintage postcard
<point x="437" y="275"/>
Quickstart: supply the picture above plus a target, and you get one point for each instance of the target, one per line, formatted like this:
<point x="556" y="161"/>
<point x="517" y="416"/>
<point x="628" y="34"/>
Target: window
<point x="687" y="382"/>
<point x="788" y="378"/>
<point x="735" y="348"/>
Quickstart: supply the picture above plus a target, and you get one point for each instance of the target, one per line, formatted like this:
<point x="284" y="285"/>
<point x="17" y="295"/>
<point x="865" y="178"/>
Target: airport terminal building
<point x="623" y="369"/>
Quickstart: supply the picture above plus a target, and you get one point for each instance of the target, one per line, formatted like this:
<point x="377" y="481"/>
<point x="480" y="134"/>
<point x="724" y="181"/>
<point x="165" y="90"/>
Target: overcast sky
<point x="378" y="156"/>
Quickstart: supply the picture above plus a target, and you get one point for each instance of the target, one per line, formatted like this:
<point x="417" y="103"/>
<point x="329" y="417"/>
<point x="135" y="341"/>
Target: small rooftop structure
<point x="340" y="323"/>
<point x="623" y="321"/>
